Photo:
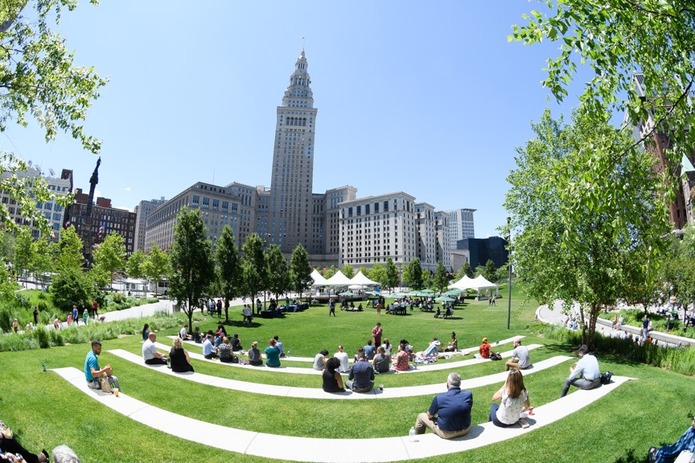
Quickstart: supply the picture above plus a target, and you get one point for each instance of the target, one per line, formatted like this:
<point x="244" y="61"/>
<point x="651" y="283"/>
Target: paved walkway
<point x="318" y="393"/>
<point x="334" y="450"/>
<point x="554" y="315"/>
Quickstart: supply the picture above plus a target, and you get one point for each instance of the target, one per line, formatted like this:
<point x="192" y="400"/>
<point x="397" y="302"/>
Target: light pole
<point x="509" y="267"/>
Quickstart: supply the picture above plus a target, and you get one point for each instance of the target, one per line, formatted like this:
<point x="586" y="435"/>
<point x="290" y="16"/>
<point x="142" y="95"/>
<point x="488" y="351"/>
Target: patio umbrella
<point x="347" y="293"/>
<point x="445" y="299"/>
<point x="453" y="292"/>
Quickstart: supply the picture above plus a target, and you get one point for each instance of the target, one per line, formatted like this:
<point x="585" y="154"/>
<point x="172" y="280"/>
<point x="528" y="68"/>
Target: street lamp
<point x="509" y="266"/>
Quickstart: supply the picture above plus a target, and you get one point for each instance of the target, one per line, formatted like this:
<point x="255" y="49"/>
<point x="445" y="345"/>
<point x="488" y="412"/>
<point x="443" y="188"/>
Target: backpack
<point x="606" y="377"/>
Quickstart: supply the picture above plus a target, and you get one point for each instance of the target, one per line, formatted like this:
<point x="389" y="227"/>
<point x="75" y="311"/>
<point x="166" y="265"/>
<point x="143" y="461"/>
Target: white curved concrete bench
<point x="331" y="450"/>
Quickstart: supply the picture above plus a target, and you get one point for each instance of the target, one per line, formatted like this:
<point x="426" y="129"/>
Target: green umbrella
<point x="453" y="292"/>
<point x="347" y="294"/>
<point x="445" y="299"/>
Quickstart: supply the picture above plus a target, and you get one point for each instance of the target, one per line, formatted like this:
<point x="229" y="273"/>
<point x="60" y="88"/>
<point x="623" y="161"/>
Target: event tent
<point x="339" y="279"/>
<point x="319" y="280"/>
<point x="463" y="284"/>
<point x="360" y="279"/>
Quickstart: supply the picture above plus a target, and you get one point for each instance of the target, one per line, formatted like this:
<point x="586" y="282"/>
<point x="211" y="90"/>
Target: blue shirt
<point x="369" y="351"/>
<point x="207" y="347"/>
<point x="362" y="373"/>
<point x="90" y="362"/>
<point x="452" y="409"/>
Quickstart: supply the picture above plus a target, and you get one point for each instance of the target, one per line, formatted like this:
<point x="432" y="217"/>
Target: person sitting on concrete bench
<point x="149" y="351"/>
<point x="361" y="377"/>
<point x="449" y="414"/>
<point x="585" y="374"/>
<point x="521" y="359"/>
<point x="668" y="453"/>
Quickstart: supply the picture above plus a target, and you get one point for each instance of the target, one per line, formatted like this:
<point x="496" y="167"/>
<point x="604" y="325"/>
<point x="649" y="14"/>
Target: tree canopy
<point x="587" y="221"/>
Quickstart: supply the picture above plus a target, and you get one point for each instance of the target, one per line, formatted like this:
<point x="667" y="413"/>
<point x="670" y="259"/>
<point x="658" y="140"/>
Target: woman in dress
<point x="255" y="355"/>
<point x="513" y="399"/>
<point x="332" y="381"/>
<point x="180" y="362"/>
<point x="272" y="354"/>
<point x="402" y="363"/>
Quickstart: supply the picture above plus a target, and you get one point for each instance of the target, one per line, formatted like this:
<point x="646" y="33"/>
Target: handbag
<point x="105" y="385"/>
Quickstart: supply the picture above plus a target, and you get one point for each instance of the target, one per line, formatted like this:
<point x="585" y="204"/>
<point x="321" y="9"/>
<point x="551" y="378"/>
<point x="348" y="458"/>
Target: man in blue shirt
<point x="449" y="415"/>
<point x="361" y="374"/>
<point x="585" y="374"/>
<point x="92" y="372"/>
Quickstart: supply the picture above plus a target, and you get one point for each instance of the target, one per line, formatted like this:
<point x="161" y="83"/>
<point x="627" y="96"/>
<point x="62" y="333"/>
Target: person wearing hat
<point x="92" y="372"/>
<point x="585" y="374"/>
<point x="486" y="353"/>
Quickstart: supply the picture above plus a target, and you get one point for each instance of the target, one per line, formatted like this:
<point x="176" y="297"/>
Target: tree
<point x="110" y="255"/>
<point x="441" y="278"/>
<point x="278" y="280"/>
<point x="412" y="274"/>
<point x="134" y="266"/>
<point x="378" y="273"/>
<point x="677" y="269"/>
<point x="583" y="217"/>
<point x="300" y="270"/>
<point x="488" y="271"/>
<point x="69" y="254"/>
<point x="617" y="39"/>
<point x="253" y="265"/>
<point x="393" y="278"/>
<point x="23" y="251"/>
<point x="39" y="80"/>
<point x="348" y="270"/>
<point x="43" y="252"/>
<point x="228" y="268"/>
<point x="157" y="266"/>
<point x="329" y="272"/>
<point x="193" y="268"/>
<point x="71" y="286"/>
<point x="466" y="270"/>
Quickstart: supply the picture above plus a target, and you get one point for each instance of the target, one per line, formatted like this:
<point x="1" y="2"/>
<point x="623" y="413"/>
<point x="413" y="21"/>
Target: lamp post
<point x="509" y="267"/>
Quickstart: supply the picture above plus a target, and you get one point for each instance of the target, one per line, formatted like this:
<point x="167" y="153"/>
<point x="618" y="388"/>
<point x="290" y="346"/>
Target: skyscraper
<point x="290" y="210"/>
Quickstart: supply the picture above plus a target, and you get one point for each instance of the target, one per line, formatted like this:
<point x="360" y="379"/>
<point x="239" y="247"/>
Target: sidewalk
<point x="553" y="315"/>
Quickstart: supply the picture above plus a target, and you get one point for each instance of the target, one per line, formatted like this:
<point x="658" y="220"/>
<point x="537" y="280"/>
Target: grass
<point x="44" y="411"/>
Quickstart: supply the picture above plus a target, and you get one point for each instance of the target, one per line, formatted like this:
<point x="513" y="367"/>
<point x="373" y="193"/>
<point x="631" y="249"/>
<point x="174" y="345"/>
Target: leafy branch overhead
<point x="38" y="76"/>
<point x="617" y="39"/>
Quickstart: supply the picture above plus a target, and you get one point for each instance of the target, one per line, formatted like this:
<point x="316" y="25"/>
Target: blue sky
<point x="424" y="97"/>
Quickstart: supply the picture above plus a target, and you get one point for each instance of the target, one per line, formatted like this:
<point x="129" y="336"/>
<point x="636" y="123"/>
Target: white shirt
<point x="510" y="409"/>
<point x="148" y="350"/>
<point x="343" y="357"/>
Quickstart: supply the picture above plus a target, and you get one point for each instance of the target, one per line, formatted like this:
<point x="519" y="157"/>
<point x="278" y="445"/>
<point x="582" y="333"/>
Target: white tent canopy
<point x="319" y="280"/>
<point x="362" y="280"/>
<point x="339" y="279"/>
<point x="463" y="284"/>
<point x="480" y="282"/>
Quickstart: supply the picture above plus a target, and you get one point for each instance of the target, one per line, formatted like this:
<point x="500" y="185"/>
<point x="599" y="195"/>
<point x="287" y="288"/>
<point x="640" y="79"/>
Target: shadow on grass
<point x="630" y="457"/>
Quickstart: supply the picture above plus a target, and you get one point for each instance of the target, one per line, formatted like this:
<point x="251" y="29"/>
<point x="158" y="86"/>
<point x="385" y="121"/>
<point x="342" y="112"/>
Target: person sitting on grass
<point x="208" y="348"/>
<point x="332" y="381"/>
<point x="180" y="361"/>
<point x="12" y="451"/>
<point x="236" y="343"/>
<point x="513" y="399"/>
<point x="453" y="345"/>
<point x="272" y="354"/>
<point x="92" y="372"/>
<point x="183" y="334"/>
<point x="149" y="351"/>
<point x="669" y="453"/>
<point x="486" y="352"/>
<point x="255" y="355"/>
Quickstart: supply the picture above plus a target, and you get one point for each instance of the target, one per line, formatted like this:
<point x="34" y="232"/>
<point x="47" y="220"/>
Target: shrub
<point x="42" y="336"/>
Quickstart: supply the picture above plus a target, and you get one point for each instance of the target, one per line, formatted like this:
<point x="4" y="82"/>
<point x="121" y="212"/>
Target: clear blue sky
<point x="424" y="97"/>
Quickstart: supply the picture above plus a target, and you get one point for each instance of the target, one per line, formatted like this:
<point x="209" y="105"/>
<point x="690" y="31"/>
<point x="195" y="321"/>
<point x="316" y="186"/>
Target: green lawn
<point x="45" y="411"/>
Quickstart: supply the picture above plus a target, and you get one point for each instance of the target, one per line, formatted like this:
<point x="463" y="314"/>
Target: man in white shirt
<point x="343" y="357"/>
<point x="585" y="374"/>
<point x="149" y="351"/>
